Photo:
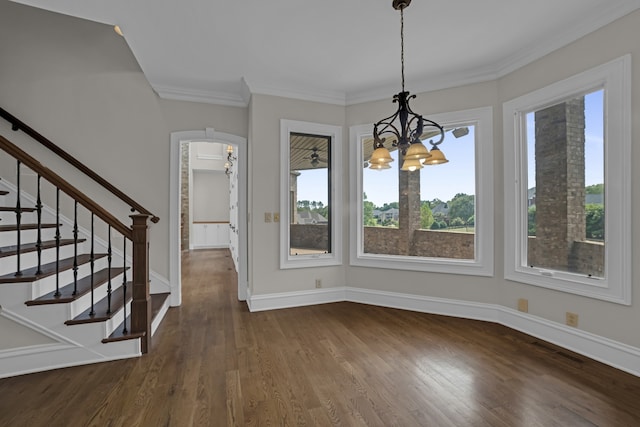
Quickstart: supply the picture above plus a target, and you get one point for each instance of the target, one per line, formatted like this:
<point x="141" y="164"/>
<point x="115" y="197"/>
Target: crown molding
<point x="176" y="93"/>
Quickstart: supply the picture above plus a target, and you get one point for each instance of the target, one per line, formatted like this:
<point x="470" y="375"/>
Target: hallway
<point x="214" y="364"/>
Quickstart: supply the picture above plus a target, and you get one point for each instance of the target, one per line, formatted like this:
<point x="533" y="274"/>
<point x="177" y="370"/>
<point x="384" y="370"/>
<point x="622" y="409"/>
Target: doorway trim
<point x="206" y="135"/>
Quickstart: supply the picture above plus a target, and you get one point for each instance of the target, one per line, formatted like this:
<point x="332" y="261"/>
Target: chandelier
<point x="406" y="135"/>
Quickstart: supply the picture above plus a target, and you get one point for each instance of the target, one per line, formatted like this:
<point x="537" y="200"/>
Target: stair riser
<point x="82" y="303"/>
<point x="92" y="333"/>
<point x="48" y="284"/>
<point x="8" y="264"/>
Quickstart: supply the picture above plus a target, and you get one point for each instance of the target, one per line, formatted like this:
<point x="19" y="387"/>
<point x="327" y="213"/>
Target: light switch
<point x="276" y="217"/>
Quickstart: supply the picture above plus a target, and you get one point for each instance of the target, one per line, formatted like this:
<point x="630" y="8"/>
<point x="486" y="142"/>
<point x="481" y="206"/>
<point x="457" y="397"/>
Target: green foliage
<point x="461" y="206"/>
<point x="440" y="217"/>
<point x="531" y="220"/>
<point x="471" y="221"/>
<point x="426" y="216"/>
<point x="594" y="189"/>
<point x="368" y="220"/>
<point x="392" y="205"/>
<point x="435" y="225"/>
<point x="457" y="222"/>
<point x="595" y="221"/>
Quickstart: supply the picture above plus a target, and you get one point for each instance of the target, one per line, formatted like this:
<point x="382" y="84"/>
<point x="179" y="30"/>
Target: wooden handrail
<point x="64" y="186"/>
<point x="17" y="124"/>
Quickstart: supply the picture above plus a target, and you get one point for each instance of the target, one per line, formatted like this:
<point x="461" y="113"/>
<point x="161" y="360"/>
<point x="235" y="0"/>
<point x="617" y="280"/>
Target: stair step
<point x="13" y="209"/>
<point x="29" y="274"/>
<point x="100" y="308"/>
<point x="157" y="301"/>
<point x="3" y="192"/>
<point x="14" y="227"/>
<point x="84" y="287"/>
<point x="31" y="247"/>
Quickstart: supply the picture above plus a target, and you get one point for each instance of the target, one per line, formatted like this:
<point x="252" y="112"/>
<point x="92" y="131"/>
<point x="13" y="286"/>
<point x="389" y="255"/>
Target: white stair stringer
<point x="63" y="352"/>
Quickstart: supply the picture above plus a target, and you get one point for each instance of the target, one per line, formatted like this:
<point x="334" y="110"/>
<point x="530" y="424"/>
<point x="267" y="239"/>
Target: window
<point x="310" y="195"/>
<point x="567" y="193"/>
<point x="438" y="218"/>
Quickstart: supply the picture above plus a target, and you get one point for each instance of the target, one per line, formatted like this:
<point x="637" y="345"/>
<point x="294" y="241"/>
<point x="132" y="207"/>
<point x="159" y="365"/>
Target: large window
<point x="567" y="185"/>
<point x="438" y="218"/>
<point x="310" y="196"/>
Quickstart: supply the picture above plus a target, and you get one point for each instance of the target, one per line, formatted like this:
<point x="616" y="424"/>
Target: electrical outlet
<point x="523" y="305"/>
<point x="318" y="283"/>
<point x="572" y="319"/>
<point x="267" y="217"/>
<point x="276" y="217"/>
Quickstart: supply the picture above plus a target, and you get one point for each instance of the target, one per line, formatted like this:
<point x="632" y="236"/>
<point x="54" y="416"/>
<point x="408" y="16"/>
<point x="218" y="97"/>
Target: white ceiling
<point x="336" y="51"/>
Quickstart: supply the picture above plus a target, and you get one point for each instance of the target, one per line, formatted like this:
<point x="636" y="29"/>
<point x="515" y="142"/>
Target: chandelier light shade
<point x="404" y="128"/>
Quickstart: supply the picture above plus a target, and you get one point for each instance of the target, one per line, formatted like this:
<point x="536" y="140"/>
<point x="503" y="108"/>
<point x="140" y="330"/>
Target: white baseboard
<point x="295" y="299"/>
<point x="607" y="351"/>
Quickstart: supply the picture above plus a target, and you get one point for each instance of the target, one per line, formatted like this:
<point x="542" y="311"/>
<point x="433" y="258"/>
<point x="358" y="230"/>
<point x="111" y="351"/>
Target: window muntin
<point x="310" y="197"/>
<point x="604" y="272"/>
<point x="387" y="250"/>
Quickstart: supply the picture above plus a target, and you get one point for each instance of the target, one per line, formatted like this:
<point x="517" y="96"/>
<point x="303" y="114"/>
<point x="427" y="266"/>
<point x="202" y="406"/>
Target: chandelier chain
<point x="402" y="44"/>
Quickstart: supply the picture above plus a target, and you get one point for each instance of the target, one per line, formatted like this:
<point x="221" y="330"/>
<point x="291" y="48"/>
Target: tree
<point x="471" y="221"/>
<point x="594" y="189"/>
<point x="426" y="216"/>
<point x="462" y="206"/>
<point x="392" y="205"/>
<point x="367" y="207"/>
<point x="457" y="222"/>
<point x="594" y="221"/>
<point x="531" y="219"/>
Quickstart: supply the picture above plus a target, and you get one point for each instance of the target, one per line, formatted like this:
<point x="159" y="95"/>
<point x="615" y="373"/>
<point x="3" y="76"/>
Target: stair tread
<point x="100" y="308"/>
<point x="83" y="287"/>
<point x="157" y="301"/>
<point x="13" y="209"/>
<point x="3" y="192"/>
<point x="31" y="247"/>
<point x="29" y="274"/>
<point x="14" y="227"/>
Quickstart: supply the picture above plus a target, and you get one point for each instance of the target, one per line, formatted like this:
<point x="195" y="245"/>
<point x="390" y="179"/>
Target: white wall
<point x="614" y="321"/>
<point x="210" y="196"/>
<point x="264" y="183"/>
<point x="77" y="83"/>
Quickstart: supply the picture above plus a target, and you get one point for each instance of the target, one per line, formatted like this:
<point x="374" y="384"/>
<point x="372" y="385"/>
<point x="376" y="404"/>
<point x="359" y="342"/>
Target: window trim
<point x="615" y="78"/>
<point x="482" y="265"/>
<point x="313" y="260"/>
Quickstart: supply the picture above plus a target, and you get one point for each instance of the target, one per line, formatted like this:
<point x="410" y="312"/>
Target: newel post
<point x="141" y="304"/>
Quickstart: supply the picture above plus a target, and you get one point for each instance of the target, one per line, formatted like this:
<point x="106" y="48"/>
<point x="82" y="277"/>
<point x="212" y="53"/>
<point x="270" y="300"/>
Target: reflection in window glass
<point x="565" y="186"/>
<point x="437" y="218"/>
<point x="309" y="195"/>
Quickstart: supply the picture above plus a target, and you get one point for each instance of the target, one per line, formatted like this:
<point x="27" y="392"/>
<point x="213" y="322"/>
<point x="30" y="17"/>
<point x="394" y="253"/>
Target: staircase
<point x="71" y="275"/>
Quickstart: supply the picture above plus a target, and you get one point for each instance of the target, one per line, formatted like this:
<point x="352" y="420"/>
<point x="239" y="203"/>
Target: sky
<point x="458" y="176"/>
<point x="594" y="141"/>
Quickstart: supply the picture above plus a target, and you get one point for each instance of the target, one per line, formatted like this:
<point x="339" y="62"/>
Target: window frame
<point x="482" y="265"/>
<point x="615" y="78"/>
<point x="335" y="195"/>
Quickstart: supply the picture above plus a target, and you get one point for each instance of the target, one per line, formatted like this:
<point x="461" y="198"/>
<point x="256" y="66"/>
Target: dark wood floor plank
<point x="214" y="363"/>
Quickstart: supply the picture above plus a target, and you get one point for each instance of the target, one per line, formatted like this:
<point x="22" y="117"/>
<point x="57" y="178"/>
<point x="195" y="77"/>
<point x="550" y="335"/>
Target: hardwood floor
<point x="215" y="364"/>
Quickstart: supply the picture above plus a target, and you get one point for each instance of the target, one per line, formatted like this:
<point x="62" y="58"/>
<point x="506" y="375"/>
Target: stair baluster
<point x="39" y="239"/>
<point x="124" y="285"/>
<point x="18" y="221"/>
<point x="75" y="248"/>
<point x="109" y="270"/>
<point x="57" y="242"/>
<point x="91" y="262"/>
